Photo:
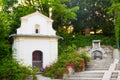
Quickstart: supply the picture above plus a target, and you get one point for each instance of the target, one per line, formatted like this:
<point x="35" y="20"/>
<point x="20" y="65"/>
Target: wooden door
<point x="37" y="59"/>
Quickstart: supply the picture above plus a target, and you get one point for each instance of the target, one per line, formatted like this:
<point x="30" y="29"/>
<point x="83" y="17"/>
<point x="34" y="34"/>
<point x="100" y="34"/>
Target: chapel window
<point x="37" y="29"/>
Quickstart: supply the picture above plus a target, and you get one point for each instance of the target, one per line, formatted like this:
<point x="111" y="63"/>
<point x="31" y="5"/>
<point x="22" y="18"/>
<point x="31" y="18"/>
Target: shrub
<point x="81" y="41"/>
<point x="11" y="70"/>
<point x="80" y="60"/>
<point x="72" y="57"/>
<point x="85" y="56"/>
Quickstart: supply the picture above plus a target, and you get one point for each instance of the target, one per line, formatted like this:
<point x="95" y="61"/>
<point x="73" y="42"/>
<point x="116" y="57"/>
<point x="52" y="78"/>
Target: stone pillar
<point x="116" y="54"/>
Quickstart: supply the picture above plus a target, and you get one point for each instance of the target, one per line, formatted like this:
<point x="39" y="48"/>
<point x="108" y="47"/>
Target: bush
<point x="85" y="56"/>
<point x="11" y="70"/>
<point x="81" y="41"/>
<point x="80" y="60"/>
<point x="57" y="69"/>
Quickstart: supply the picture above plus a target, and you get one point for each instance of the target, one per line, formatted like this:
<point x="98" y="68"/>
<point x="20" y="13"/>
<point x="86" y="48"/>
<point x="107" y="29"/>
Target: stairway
<point x="118" y="66"/>
<point x="114" y="76"/>
<point x="103" y="64"/>
<point x="95" y="70"/>
<point x="87" y="75"/>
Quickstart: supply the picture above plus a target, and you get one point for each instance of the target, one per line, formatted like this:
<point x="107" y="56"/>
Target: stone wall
<point x="108" y="50"/>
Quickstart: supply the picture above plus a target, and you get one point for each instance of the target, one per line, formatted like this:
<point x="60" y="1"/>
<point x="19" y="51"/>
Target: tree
<point x="10" y="69"/>
<point x="115" y="10"/>
<point x="5" y="22"/>
<point x="61" y="13"/>
<point x="93" y="14"/>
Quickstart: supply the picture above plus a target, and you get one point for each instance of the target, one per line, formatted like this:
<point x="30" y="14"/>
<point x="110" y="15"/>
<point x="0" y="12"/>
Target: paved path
<point x="40" y="77"/>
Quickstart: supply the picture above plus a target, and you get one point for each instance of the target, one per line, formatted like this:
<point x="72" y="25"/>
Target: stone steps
<point x="117" y="67"/>
<point x="114" y="76"/>
<point x="84" y="79"/>
<point x="89" y="68"/>
<point x="87" y="75"/>
<point x="94" y="71"/>
<point x="98" y="65"/>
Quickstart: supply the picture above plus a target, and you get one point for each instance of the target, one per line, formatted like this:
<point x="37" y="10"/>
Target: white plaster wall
<point x="23" y="47"/>
<point x="54" y="50"/>
<point x="29" y="44"/>
<point x="28" y="26"/>
<point x="23" y="27"/>
<point x="14" y="48"/>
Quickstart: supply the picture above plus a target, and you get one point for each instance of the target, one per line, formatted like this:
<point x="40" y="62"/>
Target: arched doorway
<point x="97" y="54"/>
<point x="37" y="59"/>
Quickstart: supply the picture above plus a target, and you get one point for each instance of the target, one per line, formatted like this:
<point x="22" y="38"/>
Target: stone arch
<point x="37" y="59"/>
<point x="97" y="54"/>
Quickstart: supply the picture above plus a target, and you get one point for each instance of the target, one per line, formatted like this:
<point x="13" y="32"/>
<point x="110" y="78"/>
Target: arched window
<point x="36" y="31"/>
<point x="37" y="28"/>
<point x="37" y="59"/>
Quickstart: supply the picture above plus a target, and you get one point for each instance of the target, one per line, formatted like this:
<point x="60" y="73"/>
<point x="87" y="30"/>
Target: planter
<point x="70" y="70"/>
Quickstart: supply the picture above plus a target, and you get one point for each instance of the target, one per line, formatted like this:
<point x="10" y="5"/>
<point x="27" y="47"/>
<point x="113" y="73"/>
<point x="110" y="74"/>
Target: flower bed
<point x="66" y="63"/>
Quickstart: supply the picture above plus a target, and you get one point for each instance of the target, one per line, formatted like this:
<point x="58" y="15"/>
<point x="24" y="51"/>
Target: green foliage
<point x="34" y="72"/>
<point x="57" y="69"/>
<point x="85" y="56"/>
<point x="64" y="13"/>
<point x="115" y="10"/>
<point x="4" y="31"/>
<point x="92" y="14"/>
<point x="61" y="14"/>
<point x="5" y="50"/>
<point x="6" y="4"/>
<point x="79" y="65"/>
<point x="79" y="40"/>
<point x="11" y="70"/>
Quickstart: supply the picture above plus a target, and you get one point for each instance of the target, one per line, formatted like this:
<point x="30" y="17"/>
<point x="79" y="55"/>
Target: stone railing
<point x="107" y="74"/>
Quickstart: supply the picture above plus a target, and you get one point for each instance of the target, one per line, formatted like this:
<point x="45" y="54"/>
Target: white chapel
<point x="35" y="43"/>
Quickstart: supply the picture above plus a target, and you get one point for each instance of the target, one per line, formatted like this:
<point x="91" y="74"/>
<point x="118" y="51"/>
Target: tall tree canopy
<point x="5" y="22"/>
<point x="78" y="13"/>
<point x="115" y="10"/>
<point x="61" y="14"/>
<point x="93" y="14"/>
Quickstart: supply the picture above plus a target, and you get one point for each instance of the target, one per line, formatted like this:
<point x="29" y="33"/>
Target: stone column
<point x="116" y="54"/>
